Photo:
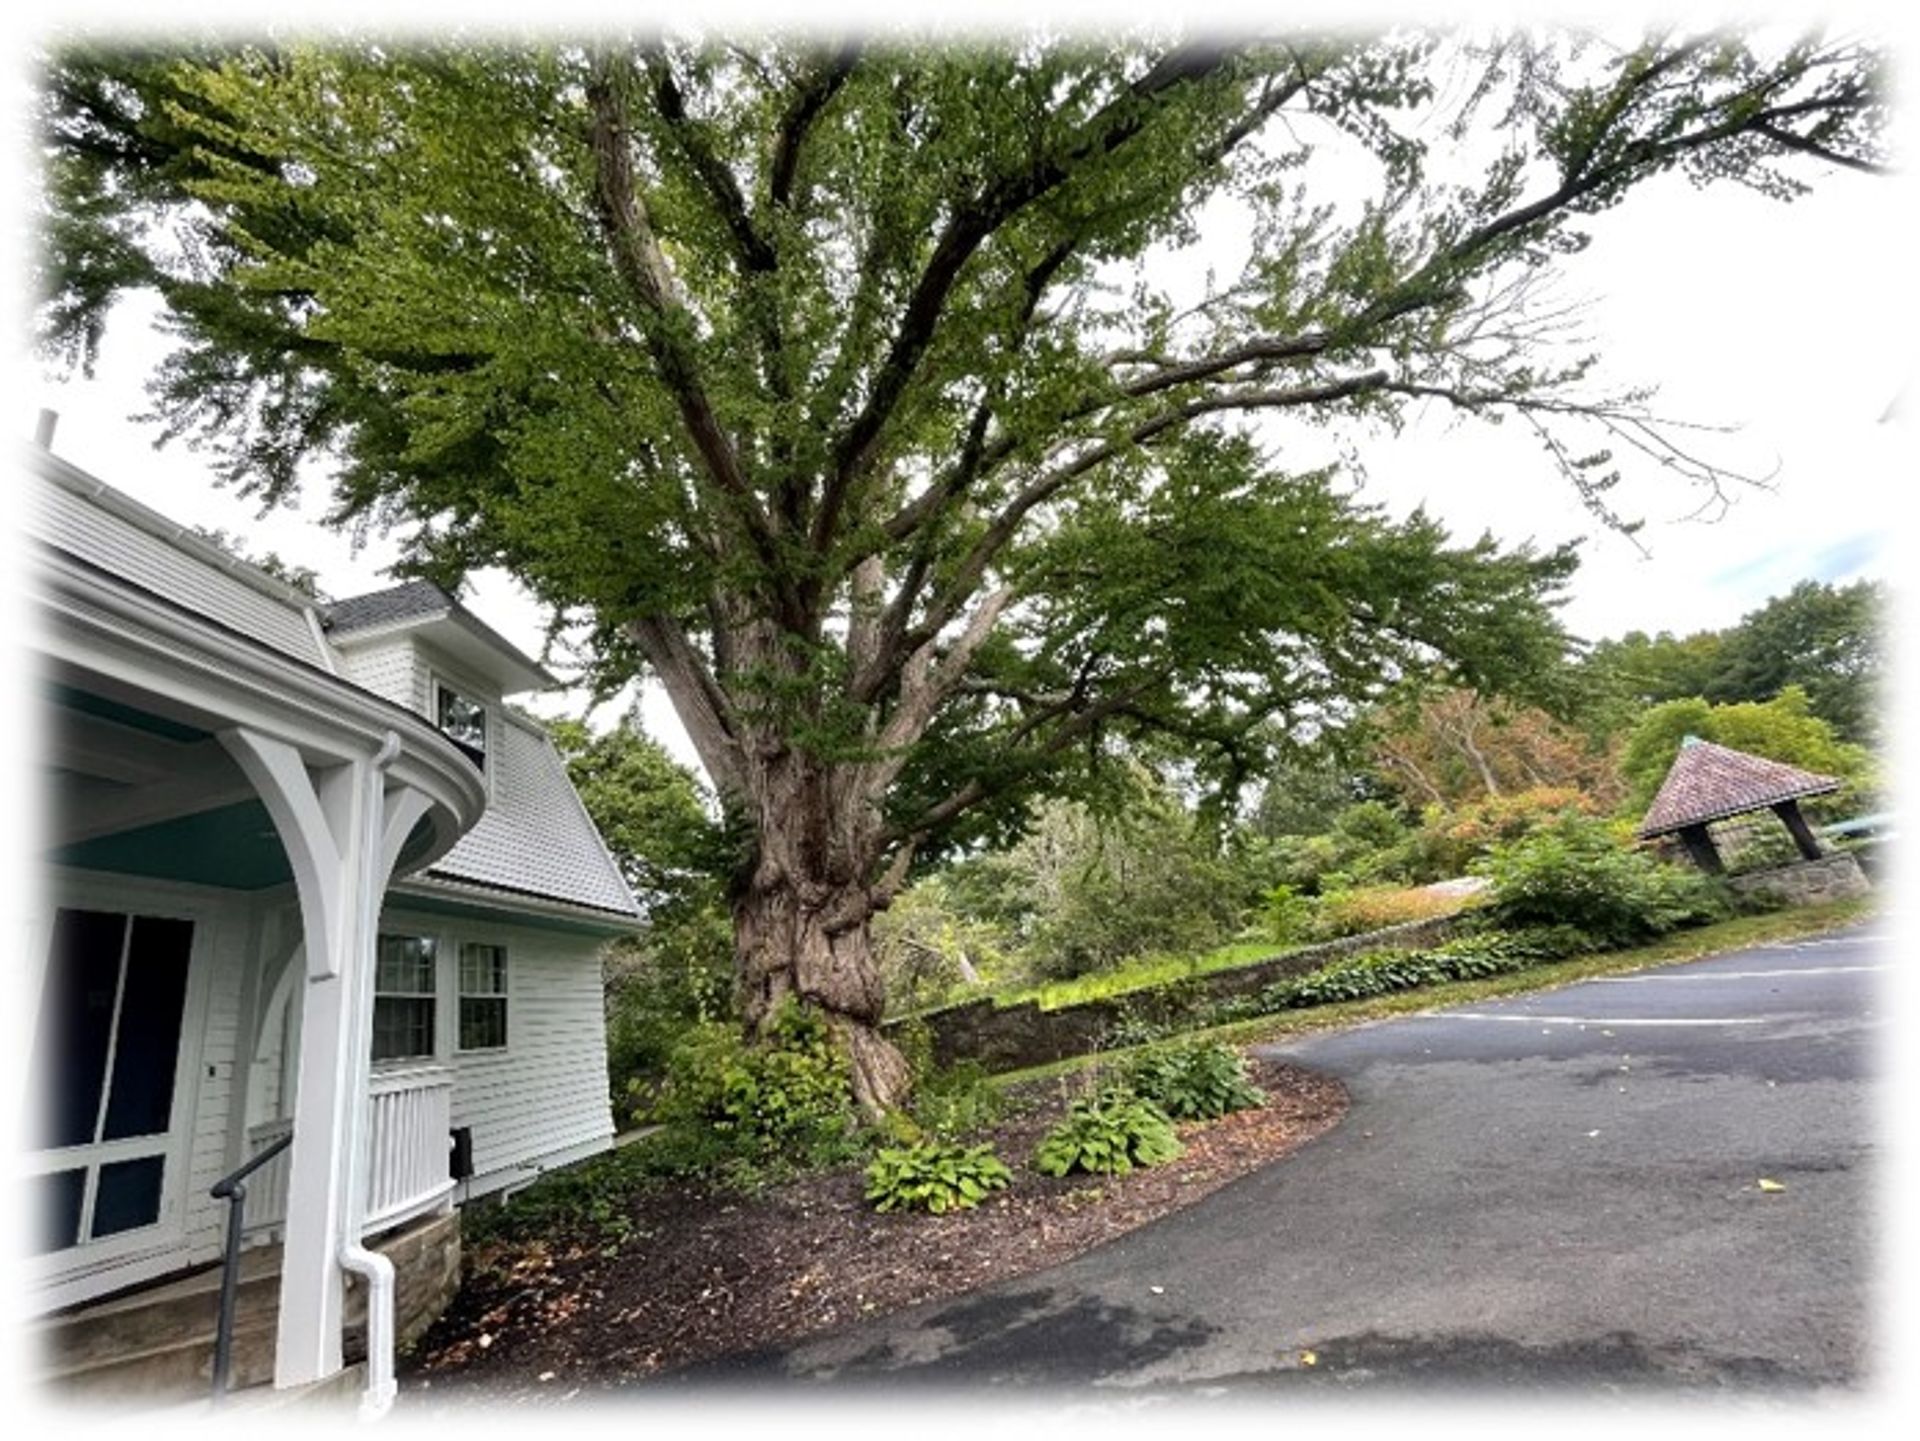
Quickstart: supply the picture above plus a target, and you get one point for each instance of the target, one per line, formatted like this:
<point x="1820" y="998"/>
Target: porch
<point x="221" y="823"/>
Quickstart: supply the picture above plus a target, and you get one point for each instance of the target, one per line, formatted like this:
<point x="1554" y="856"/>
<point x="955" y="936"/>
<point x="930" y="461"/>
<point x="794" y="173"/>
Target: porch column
<point x="338" y="826"/>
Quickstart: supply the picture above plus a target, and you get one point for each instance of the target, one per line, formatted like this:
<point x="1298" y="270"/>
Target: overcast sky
<point x="1771" y="320"/>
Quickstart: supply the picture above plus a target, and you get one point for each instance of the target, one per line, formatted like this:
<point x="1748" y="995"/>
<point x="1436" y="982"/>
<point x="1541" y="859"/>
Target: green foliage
<point x="1107" y="1134"/>
<point x="934" y="1176"/>
<point x="675" y="975"/>
<point x="1782" y="729"/>
<point x="1287" y="915"/>
<point x="1827" y="640"/>
<point x="1194" y="1082"/>
<point x="1139" y="877"/>
<point x="957" y="1101"/>
<point x="1581" y="874"/>
<point x="1620" y="678"/>
<point x="788" y="1095"/>
<point x="1382" y="972"/>
<point x="1451" y="841"/>
<point x="931" y="952"/>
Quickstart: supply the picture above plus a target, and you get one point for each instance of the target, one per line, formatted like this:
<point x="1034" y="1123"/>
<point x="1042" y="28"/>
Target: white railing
<point x="412" y="1113"/>
<point x="267" y="1187"/>
<point x="410" y="1134"/>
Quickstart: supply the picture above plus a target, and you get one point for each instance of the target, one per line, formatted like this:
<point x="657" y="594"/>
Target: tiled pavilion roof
<point x="1710" y="782"/>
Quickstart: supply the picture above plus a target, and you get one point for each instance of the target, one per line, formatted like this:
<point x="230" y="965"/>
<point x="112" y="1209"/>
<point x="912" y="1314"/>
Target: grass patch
<point x="1143" y="974"/>
<point x="1686" y="945"/>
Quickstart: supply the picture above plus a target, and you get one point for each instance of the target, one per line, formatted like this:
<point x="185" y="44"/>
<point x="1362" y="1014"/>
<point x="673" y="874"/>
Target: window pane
<point x="148" y="1049"/>
<point x="463" y="720"/>
<point x="55" y="1208"/>
<point x="483" y="970"/>
<point x="76" y="1022"/>
<point x="402" y="1027"/>
<point x="483" y="1023"/>
<point x="405" y="966"/>
<point x="129" y="1195"/>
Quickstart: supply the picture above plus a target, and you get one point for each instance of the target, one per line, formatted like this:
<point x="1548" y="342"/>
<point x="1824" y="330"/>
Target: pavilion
<point x="1709" y="783"/>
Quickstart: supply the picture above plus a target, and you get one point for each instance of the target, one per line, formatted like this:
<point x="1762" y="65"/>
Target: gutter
<point x="376" y="1270"/>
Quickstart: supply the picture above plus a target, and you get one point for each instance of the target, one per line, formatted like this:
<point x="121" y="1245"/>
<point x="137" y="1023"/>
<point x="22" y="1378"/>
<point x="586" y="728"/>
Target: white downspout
<point x="376" y="1270"/>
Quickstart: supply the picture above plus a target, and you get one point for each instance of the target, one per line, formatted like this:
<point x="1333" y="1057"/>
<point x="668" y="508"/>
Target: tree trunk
<point x="802" y="920"/>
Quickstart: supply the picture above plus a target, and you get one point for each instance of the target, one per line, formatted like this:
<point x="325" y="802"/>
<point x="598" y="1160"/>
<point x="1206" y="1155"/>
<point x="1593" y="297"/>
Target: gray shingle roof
<point x="535" y="835"/>
<point x="415" y="600"/>
<point x="1709" y="782"/>
<point x="86" y="518"/>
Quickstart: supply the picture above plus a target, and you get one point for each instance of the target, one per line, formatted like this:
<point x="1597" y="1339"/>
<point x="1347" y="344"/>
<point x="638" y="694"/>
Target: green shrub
<point x="934" y="1176"/>
<point x="957" y="1101"/>
<point x="1577" y="873"/>
<point x="788" y="1095"/>
<point x="1108" y="1134"/>
<point x="676" y="975"/>
<point x="1287" y="915"/>
<point x="1194" y="1082"/>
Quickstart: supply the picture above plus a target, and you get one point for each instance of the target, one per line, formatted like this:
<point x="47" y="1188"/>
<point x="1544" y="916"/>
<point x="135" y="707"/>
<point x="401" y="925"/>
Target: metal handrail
<point x="232" y="1188"/>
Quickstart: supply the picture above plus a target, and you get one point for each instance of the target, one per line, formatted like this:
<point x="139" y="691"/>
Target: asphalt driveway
<point x="1548" y="1193"/>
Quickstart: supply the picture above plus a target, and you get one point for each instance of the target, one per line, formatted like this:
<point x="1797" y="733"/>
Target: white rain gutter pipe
<point x="376" y="1270"/>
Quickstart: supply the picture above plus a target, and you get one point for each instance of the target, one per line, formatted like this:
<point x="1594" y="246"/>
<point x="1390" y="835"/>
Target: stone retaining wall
<point x="1805" y="883"/>
<point x="1008" y="1038"/>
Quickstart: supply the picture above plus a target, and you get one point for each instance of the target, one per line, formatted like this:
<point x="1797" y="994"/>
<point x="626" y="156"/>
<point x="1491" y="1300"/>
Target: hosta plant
<point x="934" y="1176"/>
<point x="1108" y="1134"/>
<point x="1194" y="1082"/>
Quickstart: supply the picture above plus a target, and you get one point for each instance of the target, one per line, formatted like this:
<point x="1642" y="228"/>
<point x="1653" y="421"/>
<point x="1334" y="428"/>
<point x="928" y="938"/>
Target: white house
<point x="305" y="872"/>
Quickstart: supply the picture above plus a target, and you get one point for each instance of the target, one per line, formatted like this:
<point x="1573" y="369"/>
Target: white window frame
<point x="504" y="996"/>
<point x="441" y="687"/>
<point x="437" y="941"/>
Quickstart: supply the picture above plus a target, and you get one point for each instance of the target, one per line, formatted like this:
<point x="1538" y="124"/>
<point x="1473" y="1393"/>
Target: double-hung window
<point x="483" y="997"/>
<point x="404" y="995"/>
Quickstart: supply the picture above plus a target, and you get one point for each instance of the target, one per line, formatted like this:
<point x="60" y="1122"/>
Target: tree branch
<point x="697" y="699"/>
<point x="970" y="226"/>
<point x="808" y="101"/>
<point x="644" y="271"/>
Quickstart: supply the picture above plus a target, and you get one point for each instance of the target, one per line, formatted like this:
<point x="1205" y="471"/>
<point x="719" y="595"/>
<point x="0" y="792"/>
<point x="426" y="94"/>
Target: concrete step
<point x="158" y="1342"/>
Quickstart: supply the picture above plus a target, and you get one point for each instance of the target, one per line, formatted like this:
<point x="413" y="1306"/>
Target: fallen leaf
<point x="1767" y="1185"/>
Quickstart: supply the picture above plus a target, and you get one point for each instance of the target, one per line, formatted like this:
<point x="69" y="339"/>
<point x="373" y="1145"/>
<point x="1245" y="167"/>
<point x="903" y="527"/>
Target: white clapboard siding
<point x="546" y="1093"/>
<point x="214" y="1081"/>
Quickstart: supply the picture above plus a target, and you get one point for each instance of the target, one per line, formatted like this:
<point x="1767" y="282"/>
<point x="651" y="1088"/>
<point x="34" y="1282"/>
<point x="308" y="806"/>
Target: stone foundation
<point x="1806" y="883"/>
<point x="426" y="1273"/>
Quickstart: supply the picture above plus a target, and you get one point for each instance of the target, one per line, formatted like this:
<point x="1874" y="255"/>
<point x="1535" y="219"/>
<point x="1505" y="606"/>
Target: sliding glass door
<point x="106" y="1069"/>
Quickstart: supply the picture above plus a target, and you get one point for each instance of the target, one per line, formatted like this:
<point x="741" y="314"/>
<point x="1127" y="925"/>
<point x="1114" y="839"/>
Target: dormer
<point x="419" y="647"/>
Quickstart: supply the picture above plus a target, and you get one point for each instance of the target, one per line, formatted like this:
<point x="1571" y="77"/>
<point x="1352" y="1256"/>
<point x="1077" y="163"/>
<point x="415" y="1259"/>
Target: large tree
<point x="1826" y="639"/>
<point x="847" y="390"/>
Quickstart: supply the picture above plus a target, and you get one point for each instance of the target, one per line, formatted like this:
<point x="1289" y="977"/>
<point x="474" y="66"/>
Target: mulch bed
<point x="704" y="1275"/>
